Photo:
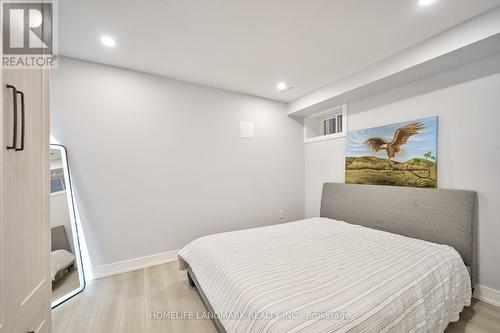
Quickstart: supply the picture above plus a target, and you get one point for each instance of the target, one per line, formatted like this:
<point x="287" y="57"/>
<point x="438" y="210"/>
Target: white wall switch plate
<point x="247" y="130"/>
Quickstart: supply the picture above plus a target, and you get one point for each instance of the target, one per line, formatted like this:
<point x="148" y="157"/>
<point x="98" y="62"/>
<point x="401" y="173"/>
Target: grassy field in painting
<point x="417" y="172"/>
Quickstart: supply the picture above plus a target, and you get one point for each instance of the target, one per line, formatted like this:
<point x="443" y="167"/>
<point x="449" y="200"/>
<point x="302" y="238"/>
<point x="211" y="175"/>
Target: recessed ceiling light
<point x="426" y="2"/>
<point x="282" y="87"/>
<point x="108" y="41"/>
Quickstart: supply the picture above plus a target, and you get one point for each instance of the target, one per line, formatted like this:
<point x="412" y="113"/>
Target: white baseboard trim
<point x="487" y="294"/>
<point x="133" y="264"/>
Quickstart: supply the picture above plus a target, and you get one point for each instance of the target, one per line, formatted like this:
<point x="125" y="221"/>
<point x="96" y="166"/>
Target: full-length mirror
<point x="65" y="259"/>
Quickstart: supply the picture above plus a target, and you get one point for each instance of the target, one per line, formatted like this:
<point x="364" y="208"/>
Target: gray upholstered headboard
<point x="435" y="215"/>
<point x="59" y="238"/>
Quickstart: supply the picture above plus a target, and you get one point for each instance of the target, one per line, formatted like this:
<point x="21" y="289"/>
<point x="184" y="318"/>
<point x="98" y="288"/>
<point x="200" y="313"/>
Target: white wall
<point x="157" y="163"/>
<point x="468" y="147"/>
<point x="59" y="214"/>
<point x="55" y="164"/>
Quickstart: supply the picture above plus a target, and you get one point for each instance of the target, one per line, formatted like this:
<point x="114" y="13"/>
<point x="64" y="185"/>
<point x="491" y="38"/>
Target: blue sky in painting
<point x="416" y="146"/>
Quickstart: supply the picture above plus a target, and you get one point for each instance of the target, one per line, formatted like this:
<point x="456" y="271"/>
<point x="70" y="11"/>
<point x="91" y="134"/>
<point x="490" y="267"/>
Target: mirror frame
<point x="74" y="225"/>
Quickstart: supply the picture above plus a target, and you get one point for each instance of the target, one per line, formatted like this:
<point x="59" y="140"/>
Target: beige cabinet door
<point x="25" y="230"/>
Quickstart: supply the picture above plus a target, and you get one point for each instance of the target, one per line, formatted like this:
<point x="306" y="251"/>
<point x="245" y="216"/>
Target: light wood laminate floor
<point x="65" y="285"/>
<point x="123" y="303"/>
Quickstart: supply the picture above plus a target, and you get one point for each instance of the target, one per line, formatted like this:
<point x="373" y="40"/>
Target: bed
<point x="379" y="259"/>
<point x="62" y="259"/>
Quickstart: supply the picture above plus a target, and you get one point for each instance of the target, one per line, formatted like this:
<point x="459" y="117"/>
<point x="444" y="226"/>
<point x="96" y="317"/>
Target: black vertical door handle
<point x="14" y="132"/>
<point x="23" y="121"/>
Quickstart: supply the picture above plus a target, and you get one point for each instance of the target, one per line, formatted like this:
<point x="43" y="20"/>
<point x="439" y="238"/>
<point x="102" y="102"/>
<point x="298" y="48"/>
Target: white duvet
<point x="321" y="275"/>
<point x="59" y="260"/>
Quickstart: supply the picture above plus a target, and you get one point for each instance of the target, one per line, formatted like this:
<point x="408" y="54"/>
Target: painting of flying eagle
<point x="400" y="137"/>
<point x="403" y="154"/>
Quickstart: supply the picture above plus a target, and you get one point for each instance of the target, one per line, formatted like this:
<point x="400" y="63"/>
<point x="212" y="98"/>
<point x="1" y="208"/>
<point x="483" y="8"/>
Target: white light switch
<point x="247" y="130"/>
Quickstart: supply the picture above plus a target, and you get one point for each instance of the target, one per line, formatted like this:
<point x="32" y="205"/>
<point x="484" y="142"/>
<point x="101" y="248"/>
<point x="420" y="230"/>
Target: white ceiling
<point x="250" y="45"/>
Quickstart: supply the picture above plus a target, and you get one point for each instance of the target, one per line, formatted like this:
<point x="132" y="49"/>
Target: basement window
<point x="56" y="180"/>
<point x="325" y="125"/>
<point x="332" y="124"/>
<point x="56" y="185"/>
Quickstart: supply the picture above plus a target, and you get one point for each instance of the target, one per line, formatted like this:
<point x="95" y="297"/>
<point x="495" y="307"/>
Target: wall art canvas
<point x="403" y="154"/>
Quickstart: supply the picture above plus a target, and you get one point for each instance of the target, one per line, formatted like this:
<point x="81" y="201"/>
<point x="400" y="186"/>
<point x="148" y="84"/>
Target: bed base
<point x="193" y="282"/>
